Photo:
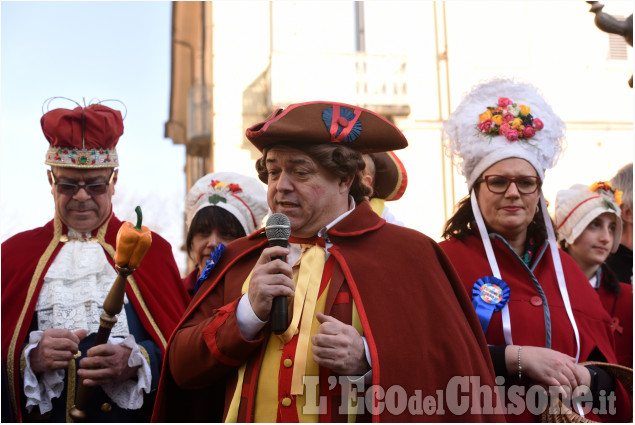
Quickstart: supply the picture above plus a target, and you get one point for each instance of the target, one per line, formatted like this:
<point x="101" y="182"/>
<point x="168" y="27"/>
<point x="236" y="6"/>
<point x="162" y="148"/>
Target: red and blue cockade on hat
<point x="342" y="123"/>
<point x="489" y="294"/>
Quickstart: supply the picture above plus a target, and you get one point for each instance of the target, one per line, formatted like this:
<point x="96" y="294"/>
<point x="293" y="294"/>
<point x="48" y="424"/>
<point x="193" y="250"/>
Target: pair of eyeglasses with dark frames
<point x="499" y="184"/>
<point x="93" y="189"/>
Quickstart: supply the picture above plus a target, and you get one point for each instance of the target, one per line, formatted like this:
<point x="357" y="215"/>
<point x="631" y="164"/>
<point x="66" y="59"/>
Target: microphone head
<point x="278" y="227"/>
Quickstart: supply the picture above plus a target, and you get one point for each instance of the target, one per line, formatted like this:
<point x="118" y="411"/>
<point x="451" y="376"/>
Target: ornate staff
<point x="132" y="244"/>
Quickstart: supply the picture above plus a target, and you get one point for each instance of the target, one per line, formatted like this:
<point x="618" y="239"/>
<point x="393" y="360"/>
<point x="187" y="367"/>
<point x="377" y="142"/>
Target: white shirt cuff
<point x="129" y="394"/>
<point x="248" y="322"/>
<point x="40" y="392"/>
<point x="368" y="376"/>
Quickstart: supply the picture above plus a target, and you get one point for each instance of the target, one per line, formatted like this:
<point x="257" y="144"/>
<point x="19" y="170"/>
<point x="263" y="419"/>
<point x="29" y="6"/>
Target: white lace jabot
<point x="75" y="287"/>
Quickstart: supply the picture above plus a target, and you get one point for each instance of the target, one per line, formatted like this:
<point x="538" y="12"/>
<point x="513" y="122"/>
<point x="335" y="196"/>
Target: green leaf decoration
<point x="215" y="199"/>
<point x="608" y="205"/>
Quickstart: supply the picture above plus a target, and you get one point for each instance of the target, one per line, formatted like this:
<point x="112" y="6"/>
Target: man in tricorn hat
<point x="55" y="279"/>
<point x="369" y="303"/>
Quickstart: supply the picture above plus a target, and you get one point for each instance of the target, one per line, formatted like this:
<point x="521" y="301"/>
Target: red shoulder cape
<point x="155" y="288"/>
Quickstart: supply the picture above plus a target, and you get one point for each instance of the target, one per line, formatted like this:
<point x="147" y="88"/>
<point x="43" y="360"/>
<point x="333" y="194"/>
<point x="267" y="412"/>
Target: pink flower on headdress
<point x="505" y="127"/>
<point x="503" y="102"/>
<point x="529" y="132"/>
<point x="508" y="117"/>
<point x="485" y="126"/>
<point x="512" y="135"/>
<point x="538" y="124"/>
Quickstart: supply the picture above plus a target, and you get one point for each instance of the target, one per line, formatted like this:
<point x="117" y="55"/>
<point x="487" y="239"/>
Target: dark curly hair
<point x="338" y="159"/>
<point x="463" y="224"/>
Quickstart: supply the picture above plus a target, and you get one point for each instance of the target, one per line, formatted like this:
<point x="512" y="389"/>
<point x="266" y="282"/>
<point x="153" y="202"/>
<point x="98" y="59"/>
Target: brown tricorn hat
<point x="390" y="180"/>
<point x="328" y="122"/>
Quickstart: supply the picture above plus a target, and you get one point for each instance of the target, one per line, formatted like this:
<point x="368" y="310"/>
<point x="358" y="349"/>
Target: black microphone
<point x="278" y="230"/>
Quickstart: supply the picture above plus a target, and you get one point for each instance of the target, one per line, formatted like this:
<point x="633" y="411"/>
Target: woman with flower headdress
<point x="589" y="229"/>
<point x="539" y="314"/>
<point x="220" y="207"/>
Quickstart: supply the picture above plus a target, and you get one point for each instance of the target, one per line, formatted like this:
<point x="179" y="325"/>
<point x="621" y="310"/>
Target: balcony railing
<point x="374" y="81"/>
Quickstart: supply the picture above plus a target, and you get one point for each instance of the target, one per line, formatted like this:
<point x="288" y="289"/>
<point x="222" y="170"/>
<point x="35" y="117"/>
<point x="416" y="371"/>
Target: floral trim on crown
<point x="220" y="190"/>
<point x="74" y="157"/>
<point x="614" y="194"/>
<point x="509" y="120"/>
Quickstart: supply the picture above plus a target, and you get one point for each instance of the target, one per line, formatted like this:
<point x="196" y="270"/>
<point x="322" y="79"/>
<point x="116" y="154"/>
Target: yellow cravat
<point x="307" y="287"/>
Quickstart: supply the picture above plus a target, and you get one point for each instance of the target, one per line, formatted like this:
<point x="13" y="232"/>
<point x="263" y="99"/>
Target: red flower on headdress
<point x="235" y="188"/>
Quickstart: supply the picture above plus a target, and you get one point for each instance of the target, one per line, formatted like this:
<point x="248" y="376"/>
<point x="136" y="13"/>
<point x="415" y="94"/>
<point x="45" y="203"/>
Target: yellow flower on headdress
<point x="595" y="186"/>
<point x="618" y="197"/>
<point x="606" y="186"/>
<point x="485" y="116"/>
<point x="498" y="119"/>
<point x="517" y="122"/>
<point x="524" y="109"/>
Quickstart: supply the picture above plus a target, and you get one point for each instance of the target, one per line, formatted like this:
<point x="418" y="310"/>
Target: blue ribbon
<point x="489" y="294"/>
<point x="218" y="250"/>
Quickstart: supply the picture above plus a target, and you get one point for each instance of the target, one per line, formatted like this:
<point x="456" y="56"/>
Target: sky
<point x="84" y="51"/>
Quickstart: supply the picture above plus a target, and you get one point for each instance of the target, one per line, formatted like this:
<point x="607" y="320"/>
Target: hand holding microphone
<point x="278" y="230"/>
<point x="272" y="281"/>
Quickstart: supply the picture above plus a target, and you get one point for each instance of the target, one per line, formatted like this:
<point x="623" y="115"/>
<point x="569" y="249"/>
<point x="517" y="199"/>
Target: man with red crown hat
<point x="55" y="279"/>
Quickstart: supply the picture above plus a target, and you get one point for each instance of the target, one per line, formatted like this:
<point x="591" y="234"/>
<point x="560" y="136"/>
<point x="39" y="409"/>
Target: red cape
<point x="417" y="319"/>
<point x="155" y="288"/>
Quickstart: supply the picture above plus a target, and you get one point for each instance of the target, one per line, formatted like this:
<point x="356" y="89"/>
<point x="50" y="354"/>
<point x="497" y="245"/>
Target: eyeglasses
<point x="93" y="189"/>
<point x="499" y="184"/>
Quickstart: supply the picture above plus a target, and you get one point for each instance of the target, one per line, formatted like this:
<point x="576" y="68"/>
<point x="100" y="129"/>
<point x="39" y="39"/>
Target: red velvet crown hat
<point x="84" y="137"/>
<point x="391" y="178"/>
<point x="328" y="122"/>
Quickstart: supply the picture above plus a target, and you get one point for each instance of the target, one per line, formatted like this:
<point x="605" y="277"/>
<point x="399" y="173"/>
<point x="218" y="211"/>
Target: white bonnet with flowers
<point x="497" y="120"/>
<point x="244" y="197"/>
<point x="501" y="119"/>
<point x="579" y="205"/>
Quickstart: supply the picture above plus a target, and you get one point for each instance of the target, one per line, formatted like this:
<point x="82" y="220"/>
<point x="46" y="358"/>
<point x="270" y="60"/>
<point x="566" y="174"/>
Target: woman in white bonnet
<point x="220" y="207"/>
<point x="589" y="229"/>
<point x="538" y="312"/>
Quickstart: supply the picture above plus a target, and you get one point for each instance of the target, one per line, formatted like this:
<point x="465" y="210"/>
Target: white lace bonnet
<point x="474" y="151"/>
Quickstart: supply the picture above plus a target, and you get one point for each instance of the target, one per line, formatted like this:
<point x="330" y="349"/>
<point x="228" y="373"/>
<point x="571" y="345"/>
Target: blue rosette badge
<point x="489" y="294"/>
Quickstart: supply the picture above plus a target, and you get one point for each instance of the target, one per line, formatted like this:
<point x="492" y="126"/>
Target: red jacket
<point x="155" y="289"/>
<point x="417" y="319"/>
<point x="525" y="306"/>
<point x="620" y="308"/>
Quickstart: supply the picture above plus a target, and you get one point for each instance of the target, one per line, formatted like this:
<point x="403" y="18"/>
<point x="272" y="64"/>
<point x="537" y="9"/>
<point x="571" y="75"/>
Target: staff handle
<point x="112" y="306"/>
